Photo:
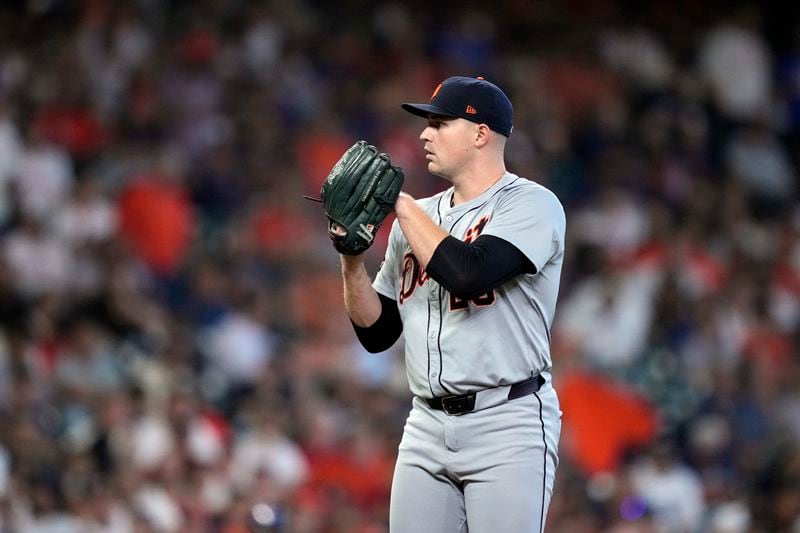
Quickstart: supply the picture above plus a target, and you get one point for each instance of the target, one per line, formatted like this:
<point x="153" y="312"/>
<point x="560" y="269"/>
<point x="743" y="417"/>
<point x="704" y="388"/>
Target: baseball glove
<point x="358" y="195"/>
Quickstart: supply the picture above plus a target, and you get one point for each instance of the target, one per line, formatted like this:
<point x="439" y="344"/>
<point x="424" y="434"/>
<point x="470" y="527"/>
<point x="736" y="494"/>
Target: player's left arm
<point x="421" y="232"/>
<point x="464" y="269"/>
<point x="468" y="270"/>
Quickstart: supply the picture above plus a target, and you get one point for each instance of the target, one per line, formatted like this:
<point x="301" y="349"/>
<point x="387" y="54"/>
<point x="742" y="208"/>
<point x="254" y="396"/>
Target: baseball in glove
<point x="358" y="195"/>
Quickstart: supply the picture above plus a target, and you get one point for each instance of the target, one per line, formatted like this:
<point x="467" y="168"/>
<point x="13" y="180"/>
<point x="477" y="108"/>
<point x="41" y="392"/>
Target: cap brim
<point x="425" y="110"/>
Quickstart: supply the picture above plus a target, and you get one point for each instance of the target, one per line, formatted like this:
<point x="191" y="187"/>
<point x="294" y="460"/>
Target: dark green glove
<point x="357" y="196"/>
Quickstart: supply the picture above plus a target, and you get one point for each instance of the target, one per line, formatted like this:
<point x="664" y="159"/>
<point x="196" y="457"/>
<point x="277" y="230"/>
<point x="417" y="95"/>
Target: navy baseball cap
<point x="473" y="99"/>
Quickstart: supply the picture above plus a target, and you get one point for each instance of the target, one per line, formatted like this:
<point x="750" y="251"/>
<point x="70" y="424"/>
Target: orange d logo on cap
<point x="436" y="91"/>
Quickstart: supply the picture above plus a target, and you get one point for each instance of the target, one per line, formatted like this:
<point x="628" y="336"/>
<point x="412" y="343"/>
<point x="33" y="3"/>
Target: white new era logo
<point x="365" y="231"/>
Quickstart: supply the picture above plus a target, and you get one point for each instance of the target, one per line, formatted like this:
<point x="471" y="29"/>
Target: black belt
<point x="465" y="403"/>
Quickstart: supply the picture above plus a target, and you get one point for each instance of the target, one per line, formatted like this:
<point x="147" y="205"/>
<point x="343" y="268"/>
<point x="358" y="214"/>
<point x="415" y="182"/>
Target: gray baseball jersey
<point x="491" y="469"/>
<point x="456" y="346"/>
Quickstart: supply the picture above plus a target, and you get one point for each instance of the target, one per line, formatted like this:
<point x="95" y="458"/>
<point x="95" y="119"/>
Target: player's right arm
<point x="375" y="316"/>
<point x="360" y="299"/>
<point x="464" y="269"/>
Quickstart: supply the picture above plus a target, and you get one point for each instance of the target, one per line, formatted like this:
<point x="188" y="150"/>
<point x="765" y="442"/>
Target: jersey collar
<point x="446" y="198"/>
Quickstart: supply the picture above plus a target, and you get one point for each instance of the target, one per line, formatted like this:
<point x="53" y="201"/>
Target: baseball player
<point x="470" y="279"/>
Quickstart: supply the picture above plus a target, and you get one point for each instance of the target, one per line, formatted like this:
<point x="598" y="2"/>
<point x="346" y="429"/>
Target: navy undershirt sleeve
<point x="381" y="335"/>
<point x="468" y="270"/>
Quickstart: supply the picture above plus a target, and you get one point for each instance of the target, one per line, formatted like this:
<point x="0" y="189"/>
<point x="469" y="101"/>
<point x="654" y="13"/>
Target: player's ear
<point x="482" y="135"/>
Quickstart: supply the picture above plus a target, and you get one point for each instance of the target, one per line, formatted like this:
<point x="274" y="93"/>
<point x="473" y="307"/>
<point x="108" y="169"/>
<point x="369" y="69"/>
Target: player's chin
<point x="434" y="169"/>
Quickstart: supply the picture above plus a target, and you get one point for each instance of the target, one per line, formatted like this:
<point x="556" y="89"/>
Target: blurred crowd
<point x="174" y="354"/>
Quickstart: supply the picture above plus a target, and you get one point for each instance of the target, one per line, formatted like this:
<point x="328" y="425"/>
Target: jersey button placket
<point x="434" y="371"/>
<point x="433" y="339"/>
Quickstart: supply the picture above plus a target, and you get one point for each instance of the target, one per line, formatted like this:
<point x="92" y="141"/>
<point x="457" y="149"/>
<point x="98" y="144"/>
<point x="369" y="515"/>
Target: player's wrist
<point x="351" y="263"/>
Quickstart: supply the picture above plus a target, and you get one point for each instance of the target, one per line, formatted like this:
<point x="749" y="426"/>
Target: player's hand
<point x="348" y="261"/>
<point x="404" y="200"/>
<point x="404" y="194"/>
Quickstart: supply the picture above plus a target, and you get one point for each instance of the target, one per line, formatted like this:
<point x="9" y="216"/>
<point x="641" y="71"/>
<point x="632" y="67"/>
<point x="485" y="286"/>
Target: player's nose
<point x="426" y="134"/>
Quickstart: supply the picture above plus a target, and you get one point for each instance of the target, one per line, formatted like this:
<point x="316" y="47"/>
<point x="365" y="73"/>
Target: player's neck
<point x="475" y="182"/>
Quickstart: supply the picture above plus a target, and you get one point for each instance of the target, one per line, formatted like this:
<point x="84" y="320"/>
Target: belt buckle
<point x="458" y="405"/>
